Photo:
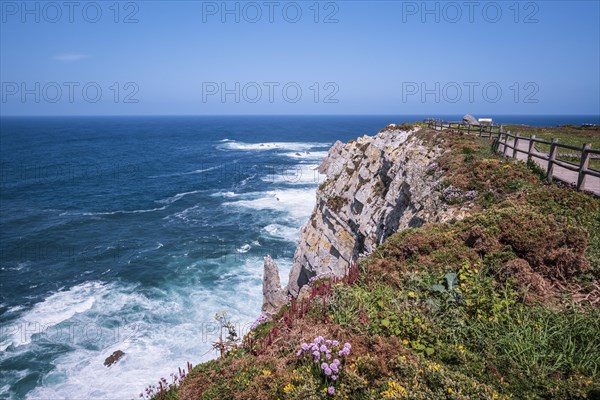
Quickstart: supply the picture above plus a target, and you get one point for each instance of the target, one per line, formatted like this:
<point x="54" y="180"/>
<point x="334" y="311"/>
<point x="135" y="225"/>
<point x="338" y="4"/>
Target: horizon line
<point x="278" y="115"/>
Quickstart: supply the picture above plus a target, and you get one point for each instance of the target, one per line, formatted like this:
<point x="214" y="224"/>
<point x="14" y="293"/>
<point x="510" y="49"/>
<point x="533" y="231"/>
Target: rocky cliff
<point x="375" y="186"/>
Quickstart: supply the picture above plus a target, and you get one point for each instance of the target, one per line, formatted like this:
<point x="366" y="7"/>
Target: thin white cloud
<point x="68" y="57"/>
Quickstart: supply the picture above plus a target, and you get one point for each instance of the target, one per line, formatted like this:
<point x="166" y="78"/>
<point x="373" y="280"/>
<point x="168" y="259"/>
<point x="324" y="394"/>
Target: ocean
<point x="130" y="233"/>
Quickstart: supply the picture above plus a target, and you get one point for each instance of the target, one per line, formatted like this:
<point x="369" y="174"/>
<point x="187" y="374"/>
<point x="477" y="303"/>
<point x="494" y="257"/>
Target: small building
<point x="486" y="121"/>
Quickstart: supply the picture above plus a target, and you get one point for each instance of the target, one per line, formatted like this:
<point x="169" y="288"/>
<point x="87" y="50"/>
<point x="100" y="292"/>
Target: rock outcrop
<point x="113" y="358"/>
<point x="273" y="295"/>
<point x="375" y="186"/>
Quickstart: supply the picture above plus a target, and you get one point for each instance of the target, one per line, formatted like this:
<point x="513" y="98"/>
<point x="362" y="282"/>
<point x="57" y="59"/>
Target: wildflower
<point x="324" y="365"/>
<point x="331" y="390"/>
<point x="261" y="318"/>
<point x="405" y="342"/>
<point x="334" y="377"/>
<point x="450" y="390"/>
<point x="395" y="390"/>
<point x="289" y="388"/>
<point x="266" y="372"/>
<point x="328" y="371"/>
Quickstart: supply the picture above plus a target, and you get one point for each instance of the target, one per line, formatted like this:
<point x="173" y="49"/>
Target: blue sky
<point x="280" y="57"/>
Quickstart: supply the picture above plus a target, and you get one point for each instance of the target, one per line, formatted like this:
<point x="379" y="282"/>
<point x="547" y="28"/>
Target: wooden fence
<point x="524" y="148"/>
<point x="481" y="130"/>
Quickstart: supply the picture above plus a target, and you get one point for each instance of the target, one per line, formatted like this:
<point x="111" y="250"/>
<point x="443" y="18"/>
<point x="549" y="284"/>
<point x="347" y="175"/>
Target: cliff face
<point x="375" y="186"/>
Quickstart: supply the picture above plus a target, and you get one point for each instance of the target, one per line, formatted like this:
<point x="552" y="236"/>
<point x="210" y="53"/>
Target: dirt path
<point x="592" y="183"/>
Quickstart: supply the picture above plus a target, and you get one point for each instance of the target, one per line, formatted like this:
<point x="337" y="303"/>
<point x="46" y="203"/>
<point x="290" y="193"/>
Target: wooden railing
<point x="488" y="131"/>
<point x="524" y="148"/>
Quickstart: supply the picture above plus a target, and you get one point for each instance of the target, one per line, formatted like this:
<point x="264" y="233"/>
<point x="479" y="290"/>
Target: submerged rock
<point x="113" y="358"/>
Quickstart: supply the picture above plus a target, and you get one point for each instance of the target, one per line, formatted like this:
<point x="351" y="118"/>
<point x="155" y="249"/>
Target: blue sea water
<point x="129" y="233"/>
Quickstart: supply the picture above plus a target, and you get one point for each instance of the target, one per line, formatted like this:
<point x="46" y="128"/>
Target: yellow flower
<point x="411" y="294"/>
<point x="404" y="342"/>
<point x="450" y="390"/>
<point x="394" y="390"/>
<point x="461" y="347"/>
<point x="289" y="388"/>
<point x="495" y="396"/>
<point x="266" y="372"/>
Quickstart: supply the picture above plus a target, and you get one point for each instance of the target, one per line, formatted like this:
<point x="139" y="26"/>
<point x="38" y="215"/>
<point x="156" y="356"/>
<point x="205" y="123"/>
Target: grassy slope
<point x="502" y="304"/>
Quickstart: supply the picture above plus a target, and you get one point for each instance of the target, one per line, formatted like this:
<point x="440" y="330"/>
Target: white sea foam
<point x="307" y="155"/>
<point x="297" y="203"/>
<point x="55" y="309"/>
<point x="178" y="196"/>
<point x="88" y="214"/>
<point x="159" y="331"/>
<point x="300" y="174"/>
<point x="244" y="248"/>
<point x="293" y="146"/>
<point x="224" y="194"/>
<point x="284" y="232"/>
<point x="196" y="171"/>
<point x="14" y="309"/>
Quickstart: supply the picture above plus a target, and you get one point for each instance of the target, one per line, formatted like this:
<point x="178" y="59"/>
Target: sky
<point x="303" y="57"/>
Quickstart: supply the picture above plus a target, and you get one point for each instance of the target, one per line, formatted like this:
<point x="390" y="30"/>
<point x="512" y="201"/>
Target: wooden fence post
<point x="551" y="159"/>
<point x="516" y="145"/>
<point x="497" y="144"/>
<point x="583" y="166"/>
<point x="480" y="129"/>
<point x="505" y="143"/>
<point x="529" y="151"/>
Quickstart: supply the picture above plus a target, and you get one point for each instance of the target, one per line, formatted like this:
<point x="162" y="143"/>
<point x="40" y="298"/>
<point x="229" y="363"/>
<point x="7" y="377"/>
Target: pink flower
<point x="331" y="390"/>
